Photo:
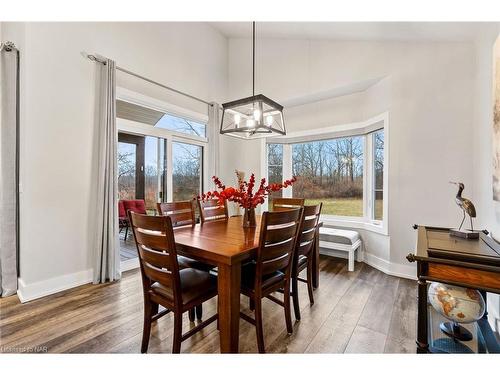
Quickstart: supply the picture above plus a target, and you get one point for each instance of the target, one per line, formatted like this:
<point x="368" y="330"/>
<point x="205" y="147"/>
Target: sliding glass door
<point x="141" y="169"/>
<point x="130" y="166"/>
<point x="187" y="176"/>
<point x="160" y="159"/>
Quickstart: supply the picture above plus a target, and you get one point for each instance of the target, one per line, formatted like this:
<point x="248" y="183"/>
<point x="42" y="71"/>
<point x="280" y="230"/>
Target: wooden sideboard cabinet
<point x="451" y="260"/>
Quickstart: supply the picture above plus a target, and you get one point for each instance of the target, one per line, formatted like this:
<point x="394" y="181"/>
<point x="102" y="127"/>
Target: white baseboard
<point x="129" y="264"/>
<point x="406" y="271"/>
<point x="393" y="269"/>
<point x="29" y="292"/>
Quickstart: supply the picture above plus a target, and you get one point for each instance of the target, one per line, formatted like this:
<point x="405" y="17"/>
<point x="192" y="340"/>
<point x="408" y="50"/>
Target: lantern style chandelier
<point x="256" y="116"/>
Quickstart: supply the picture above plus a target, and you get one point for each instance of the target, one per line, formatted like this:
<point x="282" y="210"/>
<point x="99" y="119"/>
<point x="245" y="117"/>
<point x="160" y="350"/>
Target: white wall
<point x="488" y="210"/>
<point x="57" y="125"/>
<point x="428" y="93"/>
<point x="435" y="108"/>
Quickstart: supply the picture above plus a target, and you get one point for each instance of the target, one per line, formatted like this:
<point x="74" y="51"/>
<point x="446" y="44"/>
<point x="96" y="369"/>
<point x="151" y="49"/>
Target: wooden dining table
<point x="225" y="244"/>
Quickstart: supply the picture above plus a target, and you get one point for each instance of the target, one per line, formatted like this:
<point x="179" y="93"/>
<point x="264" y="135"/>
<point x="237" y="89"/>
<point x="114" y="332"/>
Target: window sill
<point x="354" y="224"/>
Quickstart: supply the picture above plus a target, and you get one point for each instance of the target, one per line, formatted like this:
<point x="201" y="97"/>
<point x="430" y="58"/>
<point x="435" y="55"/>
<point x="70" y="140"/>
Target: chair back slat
<point x="282" y="204"/>
<point x="278" y="235"/>
<point x="181" y="218"/>
<point x="212" y="210"/>
<point x="307" y="236"/>
<point x="150" y="223"/>
<point x="156" y="258"/>
<point x="181" y="213"/>
<point x="155" y="274"/>
<point x="276" y="250"/>
<point x="308" y="230"/>
<point x="276" y="264"/>
<point x="154" y="238"/>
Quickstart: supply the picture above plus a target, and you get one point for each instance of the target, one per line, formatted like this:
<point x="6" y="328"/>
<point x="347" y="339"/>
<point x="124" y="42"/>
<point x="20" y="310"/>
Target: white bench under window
<point x="340" y="240"/>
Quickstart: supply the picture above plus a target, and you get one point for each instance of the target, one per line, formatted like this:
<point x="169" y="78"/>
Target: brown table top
<point x="221" y="241"/>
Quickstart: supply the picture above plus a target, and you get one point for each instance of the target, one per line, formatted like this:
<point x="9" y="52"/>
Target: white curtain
<point x="107" y="256"/>
<point x="213" y="135"/>
<point x="8" y="175"/>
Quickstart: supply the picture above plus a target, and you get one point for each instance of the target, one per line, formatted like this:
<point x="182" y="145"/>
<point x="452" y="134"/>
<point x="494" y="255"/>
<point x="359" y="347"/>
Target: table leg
<point x="422" y="326"/>
<point x="229" y="280"/>
<point x="315" y="258"/>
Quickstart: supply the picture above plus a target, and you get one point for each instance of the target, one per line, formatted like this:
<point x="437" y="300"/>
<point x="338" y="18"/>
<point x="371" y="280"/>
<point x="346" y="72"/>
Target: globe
<point x="460" y="305"/>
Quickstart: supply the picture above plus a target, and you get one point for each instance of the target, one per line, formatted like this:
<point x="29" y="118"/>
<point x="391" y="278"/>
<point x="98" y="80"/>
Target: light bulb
<point x="256" y="115"/>
<point x="250" y="123"/>
<point x="269" y="120"/>
<point x="237" y="119"/>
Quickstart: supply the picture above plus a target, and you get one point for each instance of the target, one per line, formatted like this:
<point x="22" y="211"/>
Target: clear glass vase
<point x="249" y="218"/>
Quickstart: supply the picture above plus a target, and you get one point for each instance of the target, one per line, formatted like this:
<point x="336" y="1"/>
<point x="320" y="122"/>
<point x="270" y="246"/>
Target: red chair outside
<point x="136" y="205"/>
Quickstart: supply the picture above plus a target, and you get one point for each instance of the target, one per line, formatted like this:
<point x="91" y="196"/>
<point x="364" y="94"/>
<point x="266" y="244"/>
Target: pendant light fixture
<point x="256" y="116"/>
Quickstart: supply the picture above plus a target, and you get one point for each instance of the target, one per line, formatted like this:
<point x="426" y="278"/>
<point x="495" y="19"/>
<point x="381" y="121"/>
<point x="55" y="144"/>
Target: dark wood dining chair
<point x="182" y="213"/>
<point x="302" y="256"/>
<point x="212" y="210"/>
<point x="271" y="270"/>
<point x="281" y="204"/>
<point x="164" y="283"/>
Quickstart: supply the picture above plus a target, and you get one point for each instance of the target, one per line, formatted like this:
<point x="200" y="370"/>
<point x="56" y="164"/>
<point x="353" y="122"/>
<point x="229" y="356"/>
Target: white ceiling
<point x="373" y="31"/>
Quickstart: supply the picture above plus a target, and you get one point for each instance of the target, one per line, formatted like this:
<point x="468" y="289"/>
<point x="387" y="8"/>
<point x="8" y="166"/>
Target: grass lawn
<point x="344" y="206"/>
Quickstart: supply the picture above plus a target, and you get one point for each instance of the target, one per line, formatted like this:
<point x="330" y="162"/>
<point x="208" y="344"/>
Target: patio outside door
<point x="130" y="166"/>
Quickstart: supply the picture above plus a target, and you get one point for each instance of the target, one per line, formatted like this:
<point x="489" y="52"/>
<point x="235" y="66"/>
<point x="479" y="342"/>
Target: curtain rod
<point x="8" y="46"/>
<point x="99" y="60"/>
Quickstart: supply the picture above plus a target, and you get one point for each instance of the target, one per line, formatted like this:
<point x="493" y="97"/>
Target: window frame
<point x="170" y="136"/>
<point x="373" y="180"/>
<point x="365" y="129"/>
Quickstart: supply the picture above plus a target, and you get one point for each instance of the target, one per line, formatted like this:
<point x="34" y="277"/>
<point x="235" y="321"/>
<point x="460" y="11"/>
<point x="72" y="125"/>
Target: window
<point x="126" y="170"/>
<point x="182" y="125"/>
<point x="187" y="166"/>
<point x="159" y="119"/>
<point x="345" y="171"/>
<point x="153" y="171"/>
<point x="378" y="171"/>
<point x="275" y="167"/>
<point x="330" y="171"/>
<point x="160" y="155"/>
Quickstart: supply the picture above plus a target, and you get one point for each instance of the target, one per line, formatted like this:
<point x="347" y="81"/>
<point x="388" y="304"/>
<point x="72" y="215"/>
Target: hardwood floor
<point x="128" y="249"/>
<point x="364" y="311"/>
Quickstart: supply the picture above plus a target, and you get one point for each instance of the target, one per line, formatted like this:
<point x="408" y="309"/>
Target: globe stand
<point x="455" y="331"/>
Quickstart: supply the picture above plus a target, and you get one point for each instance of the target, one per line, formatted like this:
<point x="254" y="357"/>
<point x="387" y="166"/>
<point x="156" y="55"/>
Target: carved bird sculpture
<point x="465" y="204"/>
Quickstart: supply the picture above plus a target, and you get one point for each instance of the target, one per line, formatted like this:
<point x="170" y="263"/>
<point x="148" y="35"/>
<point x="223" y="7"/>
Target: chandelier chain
<point x="253" y="57"/>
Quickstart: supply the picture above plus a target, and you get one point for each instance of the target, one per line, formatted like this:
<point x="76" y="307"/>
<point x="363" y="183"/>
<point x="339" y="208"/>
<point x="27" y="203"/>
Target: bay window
<point x="378" y="174"/>
<point x="330" y="171"/>
<point x="345" y="170"/>
<point x="275" y="167"/>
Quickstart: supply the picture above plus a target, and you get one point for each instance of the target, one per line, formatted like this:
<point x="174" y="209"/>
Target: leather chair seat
<point x="302" y="260"/>
<point x="194" y="284"/>
<point x="185" y="262"/>
<point x="301" y="263"/>
<point x="248" y="278"/>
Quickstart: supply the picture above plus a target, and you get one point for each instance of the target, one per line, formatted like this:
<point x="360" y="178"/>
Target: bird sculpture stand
<point x="468" y="209"/>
